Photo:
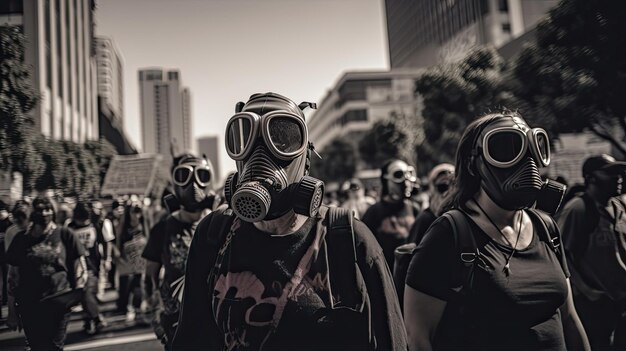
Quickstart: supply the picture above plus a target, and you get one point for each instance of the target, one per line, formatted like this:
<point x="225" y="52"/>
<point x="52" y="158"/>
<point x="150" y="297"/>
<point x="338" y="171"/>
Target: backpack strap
<point x="466" y="246"/>
<point x="549" y="232"/>
<point x="342" y="259"/>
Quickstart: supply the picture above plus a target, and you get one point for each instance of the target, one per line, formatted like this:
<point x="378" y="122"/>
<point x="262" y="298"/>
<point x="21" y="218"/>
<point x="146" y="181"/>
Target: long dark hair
<point x="467" y="180"/>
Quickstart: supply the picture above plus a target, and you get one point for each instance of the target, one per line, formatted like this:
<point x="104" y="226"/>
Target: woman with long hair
<point x="511" y="290"/>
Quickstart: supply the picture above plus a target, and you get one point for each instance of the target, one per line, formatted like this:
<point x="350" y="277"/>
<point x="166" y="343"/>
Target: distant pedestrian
<point x="50" y="261"/>
<point x="391" y="218"/>
<point x="354" y="197"/>
<point x="5" y="223"/>
<point x="130" y="265"/>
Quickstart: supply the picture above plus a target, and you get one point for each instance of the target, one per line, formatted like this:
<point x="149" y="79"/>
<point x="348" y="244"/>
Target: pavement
<point x="119" y="333"/>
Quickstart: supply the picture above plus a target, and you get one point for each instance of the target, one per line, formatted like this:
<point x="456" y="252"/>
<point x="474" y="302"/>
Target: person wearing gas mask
<point x="278" y="271"/>
<point x="439" y="179"/>
<point x="355" y="198"/>
<point x="50" y="261"/>
<point x="169" y="240"/>
<point x="490" y="274"/>
<point x="594" y="234"/>
<point x="391" y="218"/>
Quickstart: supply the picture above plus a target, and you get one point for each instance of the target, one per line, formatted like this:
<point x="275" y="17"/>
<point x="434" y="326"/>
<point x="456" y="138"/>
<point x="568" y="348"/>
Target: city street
<point x="119" y="334"/>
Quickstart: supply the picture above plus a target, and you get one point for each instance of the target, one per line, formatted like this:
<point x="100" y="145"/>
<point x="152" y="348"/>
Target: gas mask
<point x="268" y="139"/>
<point x="440" y="179"/>
<point x="400" y="180"/>
<point x="192" y="179"/>
<point x="507" y="155"/>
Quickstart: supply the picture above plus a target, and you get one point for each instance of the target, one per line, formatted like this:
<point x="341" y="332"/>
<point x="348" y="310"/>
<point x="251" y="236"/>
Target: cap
<point x="601" y="162"/>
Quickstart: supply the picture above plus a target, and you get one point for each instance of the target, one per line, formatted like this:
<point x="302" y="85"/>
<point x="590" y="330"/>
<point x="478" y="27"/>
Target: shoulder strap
<point x="344" y="271"/>
<point x="549" y="232"/>
<point x="466" y="245"/>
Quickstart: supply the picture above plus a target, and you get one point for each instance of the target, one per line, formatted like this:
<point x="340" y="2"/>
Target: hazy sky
<point x="227" y="50"/>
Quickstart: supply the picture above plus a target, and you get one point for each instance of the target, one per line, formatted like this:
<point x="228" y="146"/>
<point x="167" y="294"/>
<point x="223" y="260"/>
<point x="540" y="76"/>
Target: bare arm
<point x="422" y="314"/>
<point x="151" y="279"/>
<point x="80" y="267"/>
<point x="575" y="336"/>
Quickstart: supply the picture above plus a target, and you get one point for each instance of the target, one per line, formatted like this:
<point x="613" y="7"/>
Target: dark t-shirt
<point x="420" y="226"/>
<point x="518" y="312"/>
<point x="168" y="244"/>
<point x="253" y="292"/>
<point x="90" y="238"/>
<point x="45" y="264"/>
<point x="390" y="223"/>
<point x="595" y="242"/>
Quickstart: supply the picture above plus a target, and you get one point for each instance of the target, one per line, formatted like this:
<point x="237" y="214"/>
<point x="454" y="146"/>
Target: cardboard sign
<point x="142" y="174"/>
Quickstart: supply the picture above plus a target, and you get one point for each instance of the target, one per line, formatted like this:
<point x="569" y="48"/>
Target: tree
<point x="17" y="99"/>
<point x="338" y="162"/>
<point x="455" y="94"/>
<point x="574" y="74"/>
<point x="386" y="140"/>
<point x="103" y="152"/>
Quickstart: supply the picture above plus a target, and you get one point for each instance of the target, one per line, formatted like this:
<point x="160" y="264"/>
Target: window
<point x="506" y="27"/>
<point x="503" y="5"/>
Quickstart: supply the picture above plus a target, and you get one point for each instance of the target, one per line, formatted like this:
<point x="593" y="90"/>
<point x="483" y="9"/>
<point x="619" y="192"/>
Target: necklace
<point x="507" y="266"/>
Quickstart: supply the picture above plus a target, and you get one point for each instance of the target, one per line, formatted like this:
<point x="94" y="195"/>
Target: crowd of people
<point x="470" y="259"/>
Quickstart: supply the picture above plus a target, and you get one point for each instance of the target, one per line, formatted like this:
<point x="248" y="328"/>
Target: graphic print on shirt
<point x="87" y="236"/>
<point x="46" y="255"/>
<point x="250" y="311"/>
<point x="179" y="248"/>
<point x="397" y="226"/>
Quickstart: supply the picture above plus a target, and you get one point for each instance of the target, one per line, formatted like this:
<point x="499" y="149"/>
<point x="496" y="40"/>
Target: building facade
<point x="422" y="33"/>
<point x="210" y="146"/>
<point x="360" y="99"/>
<point x="60" y="51"/>
<point x="165" y="112"/>
<point x="110" y="70"/>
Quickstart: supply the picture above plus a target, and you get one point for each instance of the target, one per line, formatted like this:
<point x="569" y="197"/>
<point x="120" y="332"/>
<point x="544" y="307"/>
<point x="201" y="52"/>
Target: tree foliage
<point x="574" y="74"/>
<point x="338" y="162"/>
<point x="386" y="140"/>
<point x="453" y="95"/>
<point x="17" y="99"/>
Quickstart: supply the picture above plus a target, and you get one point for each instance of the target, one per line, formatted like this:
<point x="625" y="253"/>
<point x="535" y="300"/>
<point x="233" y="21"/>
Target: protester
<point x="355" y="198"/>
<point x="439" y="181"/>
<point x="113" y="223"/>
<point x="130" y="265"/>
<point x="5" y="223"/>
<point x="20" y="215"/>
<point x="490" y="275"/>
<point x="91" y="236"/>
<point x="593" y="224"/>
<point x="169" y="240"/>
<point x="277" y="276"/>
<point x="391" y="218"/>
<point x="106" y="241"/>
<point x="50" y="261"/>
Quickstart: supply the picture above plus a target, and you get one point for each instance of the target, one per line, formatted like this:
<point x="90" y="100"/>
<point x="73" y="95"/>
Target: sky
<point x="226" y="50"/>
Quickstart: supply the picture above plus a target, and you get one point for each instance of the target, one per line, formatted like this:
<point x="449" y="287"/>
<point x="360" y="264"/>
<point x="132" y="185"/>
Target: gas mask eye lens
<point x="505" y="146"/>
<point x="238" y="135"/>
<point x="286" y="134"/>
<point x="442" y="188"/>
<point x="397" y="176"/>
<point x="203" y="175"/>
<point x="181" y="175"/>
<point x="543" y="147"/>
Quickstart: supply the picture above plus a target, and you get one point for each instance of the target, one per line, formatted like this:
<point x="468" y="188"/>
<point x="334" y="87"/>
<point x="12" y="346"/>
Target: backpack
<point x="466" y="246"/>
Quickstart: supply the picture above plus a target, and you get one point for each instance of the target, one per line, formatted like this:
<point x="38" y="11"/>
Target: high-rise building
<point x="165" y="112"/>
<point x="360" y="99"/>
<point x="110" y="77"/>
<point x="210" y="146"/>
<point x="422" y="33"/>
<point x="60" y="51"/>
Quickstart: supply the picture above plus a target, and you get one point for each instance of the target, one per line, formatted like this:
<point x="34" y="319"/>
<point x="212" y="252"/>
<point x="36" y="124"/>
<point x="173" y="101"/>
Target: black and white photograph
<point x="313" y="175"/>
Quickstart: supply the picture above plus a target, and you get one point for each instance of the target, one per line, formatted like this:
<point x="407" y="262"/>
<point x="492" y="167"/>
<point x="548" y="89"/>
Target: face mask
<point x="400" y="178"/>
<point x="268" y="139"/>
<point x="507" y="156"/>
<point x="192" y="178"/>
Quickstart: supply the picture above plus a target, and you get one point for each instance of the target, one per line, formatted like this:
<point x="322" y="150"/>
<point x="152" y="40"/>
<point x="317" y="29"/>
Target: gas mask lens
<point x="284" y="134"/>
<point x="399" y="176"/>
<point x="505" y="147"/>
<point x="182" y="174"/>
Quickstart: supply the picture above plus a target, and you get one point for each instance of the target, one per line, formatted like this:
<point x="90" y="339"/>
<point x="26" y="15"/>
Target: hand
<point x="107" y="266"/>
